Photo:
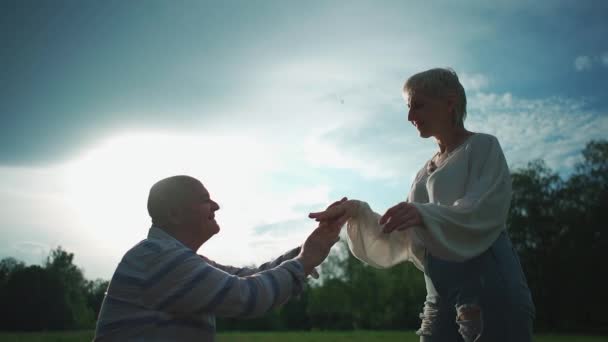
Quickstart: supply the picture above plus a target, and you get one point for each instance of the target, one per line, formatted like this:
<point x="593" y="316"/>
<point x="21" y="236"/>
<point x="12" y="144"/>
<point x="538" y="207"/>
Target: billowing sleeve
<point x="467" y="227"/>
<point x="369" y="244"/>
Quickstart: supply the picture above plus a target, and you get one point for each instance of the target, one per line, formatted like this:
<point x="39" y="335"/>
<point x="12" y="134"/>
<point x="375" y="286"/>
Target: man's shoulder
<point x="151" y="251"/>
<point x="154" y="247"/>
<point x="150" y="254"/>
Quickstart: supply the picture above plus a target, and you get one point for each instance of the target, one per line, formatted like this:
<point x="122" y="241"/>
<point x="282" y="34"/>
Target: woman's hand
<point x="340" y="210"/>
<point x="400" y="217"/>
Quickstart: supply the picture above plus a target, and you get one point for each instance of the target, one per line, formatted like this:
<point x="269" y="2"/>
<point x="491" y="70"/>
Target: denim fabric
<point x="494" y="282"/>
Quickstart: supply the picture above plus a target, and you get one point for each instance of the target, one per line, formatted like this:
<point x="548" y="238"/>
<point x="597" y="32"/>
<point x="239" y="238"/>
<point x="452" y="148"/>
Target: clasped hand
<point x="318" y="244"/>
<point x="399" y="217"/>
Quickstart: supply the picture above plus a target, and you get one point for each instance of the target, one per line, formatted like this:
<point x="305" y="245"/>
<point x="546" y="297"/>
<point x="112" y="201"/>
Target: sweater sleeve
<point x="369" y="244"/>
<point x="196" y="287"/>
<point x="468" y="226"/>
<point x="246" y="271"/>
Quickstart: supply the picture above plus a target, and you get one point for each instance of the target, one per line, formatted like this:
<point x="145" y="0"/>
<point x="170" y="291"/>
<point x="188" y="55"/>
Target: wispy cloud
<point x="31" y="251"/>
<point x="266" y="183"/>
<point x="99" y="199"/>
<point x="585" y="63"/>
<point x="552" y="128"/>
<point x="279" y="113"/>
<point x="474" y="82"/>
<point x="582" y="63"/>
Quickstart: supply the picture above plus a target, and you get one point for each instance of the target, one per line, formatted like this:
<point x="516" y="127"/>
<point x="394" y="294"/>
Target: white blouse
<point x="464" y="204"/>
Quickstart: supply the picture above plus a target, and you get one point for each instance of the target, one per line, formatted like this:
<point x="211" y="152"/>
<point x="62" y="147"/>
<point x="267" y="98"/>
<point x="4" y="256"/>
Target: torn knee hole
<point x="469" y="313"/>
<point x="470" y="321"/>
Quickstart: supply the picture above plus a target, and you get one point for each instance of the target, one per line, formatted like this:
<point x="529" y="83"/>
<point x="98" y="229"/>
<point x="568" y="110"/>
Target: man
<point x="163" y="291"/>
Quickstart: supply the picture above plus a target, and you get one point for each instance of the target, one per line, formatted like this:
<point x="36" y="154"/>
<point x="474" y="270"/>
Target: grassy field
<point x="350" y="336"/>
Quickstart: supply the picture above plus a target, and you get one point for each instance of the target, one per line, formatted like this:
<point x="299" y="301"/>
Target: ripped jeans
<point x="482" y="299"/>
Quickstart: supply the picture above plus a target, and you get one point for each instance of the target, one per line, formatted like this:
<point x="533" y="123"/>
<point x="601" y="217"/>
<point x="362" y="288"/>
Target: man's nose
<point x="216" y="206"/>
<point x="410" y="115"/>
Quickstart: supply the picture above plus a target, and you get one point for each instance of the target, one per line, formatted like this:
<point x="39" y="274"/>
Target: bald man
<point x="163" y="291"/>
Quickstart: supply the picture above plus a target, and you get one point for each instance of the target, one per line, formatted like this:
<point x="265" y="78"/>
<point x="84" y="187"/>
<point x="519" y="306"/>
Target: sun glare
<point x="108" y="186"/>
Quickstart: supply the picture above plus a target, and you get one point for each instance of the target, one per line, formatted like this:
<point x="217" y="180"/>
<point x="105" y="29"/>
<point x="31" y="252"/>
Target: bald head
<point x="171" y="194"/>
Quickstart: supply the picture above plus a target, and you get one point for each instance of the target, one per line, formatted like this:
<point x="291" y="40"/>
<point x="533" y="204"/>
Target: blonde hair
<point x="440" y="82"/>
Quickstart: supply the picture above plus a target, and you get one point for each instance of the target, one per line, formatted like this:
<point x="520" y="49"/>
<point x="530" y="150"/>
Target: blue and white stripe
<point x="162" y="289"/>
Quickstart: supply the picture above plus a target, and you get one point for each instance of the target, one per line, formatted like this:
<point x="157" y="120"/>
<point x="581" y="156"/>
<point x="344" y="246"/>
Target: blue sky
<point x="279" y="107"/>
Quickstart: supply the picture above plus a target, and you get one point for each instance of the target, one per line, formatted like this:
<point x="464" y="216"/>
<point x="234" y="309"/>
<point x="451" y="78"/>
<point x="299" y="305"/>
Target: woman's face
<point x="431" y="115"/>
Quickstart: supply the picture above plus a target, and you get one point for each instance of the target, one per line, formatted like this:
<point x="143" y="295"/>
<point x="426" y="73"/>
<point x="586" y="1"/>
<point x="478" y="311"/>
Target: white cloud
<point x="312" y="107"/>
<point x="95" y="205"/>
<point x="30" y="251"/>
<point x="555" y="129"/>
<point x="324" y="153"/>
<point x="263" y="173"/>
<point x="604" y="58"/>
<point x="474" y="82"/>
<point x="582" y="63"/>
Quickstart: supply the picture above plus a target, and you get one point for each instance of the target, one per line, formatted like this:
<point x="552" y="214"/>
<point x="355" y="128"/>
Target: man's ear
<point x="175" y="216"/>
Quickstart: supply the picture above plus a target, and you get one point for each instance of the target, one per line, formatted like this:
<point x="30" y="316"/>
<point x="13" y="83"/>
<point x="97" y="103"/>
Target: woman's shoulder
<point x="483" y="141"/>
<point x="484" y="145"/>
<point x="480" y="137"/>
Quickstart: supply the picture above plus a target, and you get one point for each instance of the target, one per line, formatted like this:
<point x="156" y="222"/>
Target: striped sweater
<point x="163" y="291"/>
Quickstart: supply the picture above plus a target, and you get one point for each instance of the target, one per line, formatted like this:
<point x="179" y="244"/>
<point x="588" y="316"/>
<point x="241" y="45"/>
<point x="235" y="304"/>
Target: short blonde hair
<point x="439" y="82"/>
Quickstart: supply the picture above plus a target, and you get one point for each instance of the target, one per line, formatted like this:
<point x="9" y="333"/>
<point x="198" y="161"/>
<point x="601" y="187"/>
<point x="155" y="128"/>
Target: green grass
<point x="315" y="336"/>
<point x="371" y="336"/>
<point x="64" y="336"/>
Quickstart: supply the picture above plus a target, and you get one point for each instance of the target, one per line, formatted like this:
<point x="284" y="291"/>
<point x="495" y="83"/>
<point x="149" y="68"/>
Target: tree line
<point x="558" y="226"/>
<point x="54" y="296"/>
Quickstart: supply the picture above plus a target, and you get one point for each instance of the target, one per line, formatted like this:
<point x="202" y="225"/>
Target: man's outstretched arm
<point x="245" y="271"/>
<point x="197" y="287"/>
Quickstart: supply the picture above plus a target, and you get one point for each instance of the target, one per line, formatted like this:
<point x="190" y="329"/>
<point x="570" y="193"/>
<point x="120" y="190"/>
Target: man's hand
<point x="400" y="217"/>
<point x="316" y="247"/>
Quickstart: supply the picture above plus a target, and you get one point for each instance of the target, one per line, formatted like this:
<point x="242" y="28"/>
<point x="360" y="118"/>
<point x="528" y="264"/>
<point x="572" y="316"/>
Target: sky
<point x="278" y="107"/>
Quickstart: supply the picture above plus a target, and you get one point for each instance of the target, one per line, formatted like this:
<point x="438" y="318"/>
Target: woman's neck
<point x="452" y="139"/>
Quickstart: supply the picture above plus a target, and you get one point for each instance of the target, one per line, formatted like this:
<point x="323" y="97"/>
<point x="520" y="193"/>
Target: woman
<point x="452" y="225"/>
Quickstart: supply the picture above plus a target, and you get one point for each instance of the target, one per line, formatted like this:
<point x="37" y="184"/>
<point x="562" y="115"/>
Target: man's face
<point x="200" y="215"/>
